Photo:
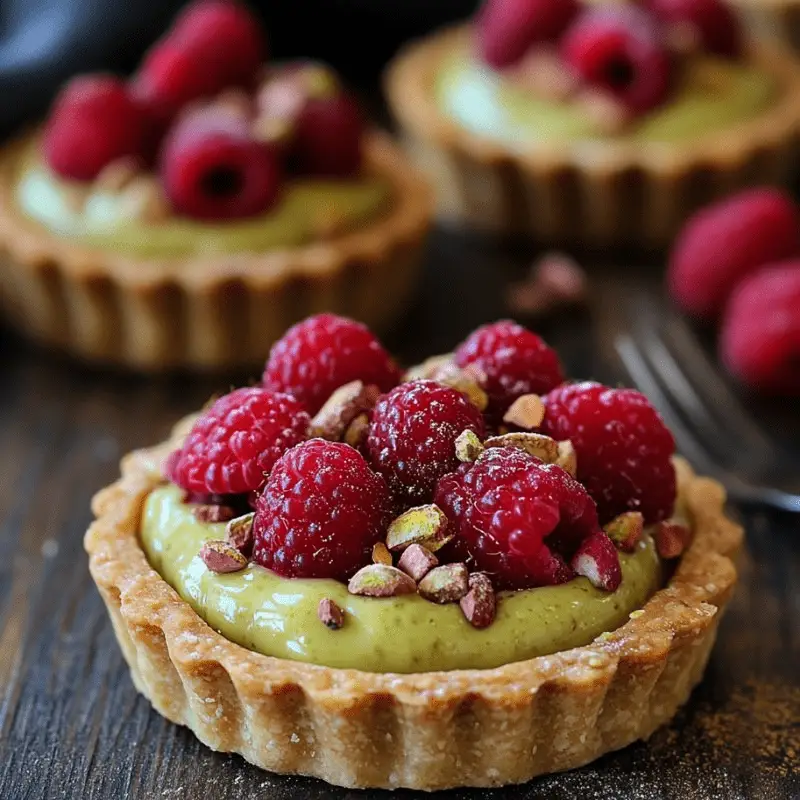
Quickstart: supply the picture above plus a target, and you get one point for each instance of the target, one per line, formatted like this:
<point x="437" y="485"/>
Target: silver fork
<point x="711" y="428"/>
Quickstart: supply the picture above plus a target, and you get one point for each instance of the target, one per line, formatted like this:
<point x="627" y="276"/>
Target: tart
<point x="602" y="125"/>
<point x="773" y="18"/>
<point x="463" y="575"/>
<point x="185" y="217"/>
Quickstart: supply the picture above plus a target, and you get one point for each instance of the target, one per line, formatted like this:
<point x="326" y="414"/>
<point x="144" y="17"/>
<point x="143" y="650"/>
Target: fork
<point x="711" y="428"/>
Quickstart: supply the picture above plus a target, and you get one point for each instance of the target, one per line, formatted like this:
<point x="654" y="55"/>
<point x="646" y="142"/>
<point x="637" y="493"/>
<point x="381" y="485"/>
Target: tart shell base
<point x="214" y="313"/>
<point x="422" y="731"/>
<point x="592" y="194"/>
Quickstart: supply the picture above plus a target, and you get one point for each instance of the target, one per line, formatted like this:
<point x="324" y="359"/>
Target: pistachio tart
<point x="460" y="575"/>
<point x="600" y="123"/>
<point x="184" y="217"/>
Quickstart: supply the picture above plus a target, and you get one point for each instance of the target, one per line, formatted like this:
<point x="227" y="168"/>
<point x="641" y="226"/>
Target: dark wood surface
<point x="71" y="723"/>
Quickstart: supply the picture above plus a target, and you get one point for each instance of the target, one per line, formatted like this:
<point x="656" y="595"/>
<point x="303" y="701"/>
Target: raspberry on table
<point x="513" y="360"/>
<point x="760" y="339"/>
<point x="320" y="513"/>
<point x="516" y="518"/>
<point x="212" y="168"/>
<point x="619" y="50"/>
<point x="237" y="441"/>
<point x="411" y="439"/>
<point x="714" y="22"/>
<point x="506" y="29"/>
<point x="94" y="121"/>
<point x="726" y="241"/>
<point x="624" y="450"/>
<point x="324" y="352"/>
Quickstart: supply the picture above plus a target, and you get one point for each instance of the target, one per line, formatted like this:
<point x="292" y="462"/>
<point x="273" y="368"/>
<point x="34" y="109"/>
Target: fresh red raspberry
<point x="224" y="37"/>
<point x="214" y="44"/>
<point x="624" y="449"/>
<point x="620" y="51"/>
<point x="760" y="340"/>
<point x="727" y="240"/>
<point x="327" y="137"/>
<point x="507" y="28"/>
<point x="320" y="513"/>
<point x="236" y="441"/>
<point x="93" y="122"/>
<point x="412" y="435"/>
<point x="212" y="168"/>
<point x="514" y="362"/>
<point x="167" y="80"/>
<point x="713" y="22"/>
<point x="516" y="518"/>
<point x="319" y="124"/>
<point x="324" y="352"/>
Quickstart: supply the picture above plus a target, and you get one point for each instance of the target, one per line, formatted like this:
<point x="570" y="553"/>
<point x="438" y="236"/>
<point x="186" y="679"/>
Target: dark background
<point x="71" y="723"/>
<point x="43" y="42"/>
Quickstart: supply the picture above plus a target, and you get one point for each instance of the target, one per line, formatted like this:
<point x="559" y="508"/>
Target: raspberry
<point x="94" y="121"/>
<point x="327" y="137"/>
<point x="713" y="22"/>
<point x="760" y="341"/>
<point x="727" y="240"/>
<point x="322" y="126"/>
<point x="620" y="52"/>
<point x="624" y="449"/>
<point x="214" y="44"/>
<point x="211" y="168"/>
<point x="514" y="362"/>
<point x="224" y="37"/>
<point x="320" y="513"/>
<point x="324" y="352"/>
<point x="236" y="441"/>
<point x="516" y="518"/>
<point x="411" y="439"/>
<point x="507" y="28"/>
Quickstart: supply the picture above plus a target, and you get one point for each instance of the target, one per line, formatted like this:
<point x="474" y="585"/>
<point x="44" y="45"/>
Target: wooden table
<point x="71" y="724"/>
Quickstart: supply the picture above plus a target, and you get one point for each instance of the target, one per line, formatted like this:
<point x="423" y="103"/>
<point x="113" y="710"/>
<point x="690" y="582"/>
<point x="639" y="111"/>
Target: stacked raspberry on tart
<point x="595" y="122"/>
<point x="194" y="210"/>
<point x="439" y="528"/>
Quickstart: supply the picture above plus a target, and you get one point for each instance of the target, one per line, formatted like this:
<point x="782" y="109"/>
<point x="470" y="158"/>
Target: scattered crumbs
<point x="294" y="738"/>
<point x="49" y="548"/>
<point x="762" y="719"/>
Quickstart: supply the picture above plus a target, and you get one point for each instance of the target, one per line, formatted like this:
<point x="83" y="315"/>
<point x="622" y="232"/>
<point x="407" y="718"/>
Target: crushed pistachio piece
<point x="381" y="580"/>
<point x="445" y="584"/>
<point x="425" y="525"/>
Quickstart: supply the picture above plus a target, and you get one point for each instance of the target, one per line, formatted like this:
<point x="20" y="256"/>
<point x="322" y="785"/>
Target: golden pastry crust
<point x="603" y="192"/>
<point x="424" y="731"/>
<point x="216" y="312"/>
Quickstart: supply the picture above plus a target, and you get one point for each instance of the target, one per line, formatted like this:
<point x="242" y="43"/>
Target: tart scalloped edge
<point x="596" y="191"/>
<point x="432" y="730"/>
<point x="208" y="311"/>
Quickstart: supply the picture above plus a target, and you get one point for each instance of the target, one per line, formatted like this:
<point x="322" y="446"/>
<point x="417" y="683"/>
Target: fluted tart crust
<point x="211" y="312"/>
<point x="427" y="730"/>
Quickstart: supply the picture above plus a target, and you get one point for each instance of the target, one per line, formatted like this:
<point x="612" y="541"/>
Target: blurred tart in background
<point x="598" y="124"/>
<point x="184" y="218"/>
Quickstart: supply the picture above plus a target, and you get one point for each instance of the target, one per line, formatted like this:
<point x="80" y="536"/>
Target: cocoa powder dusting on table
<point x="762" y="720"/>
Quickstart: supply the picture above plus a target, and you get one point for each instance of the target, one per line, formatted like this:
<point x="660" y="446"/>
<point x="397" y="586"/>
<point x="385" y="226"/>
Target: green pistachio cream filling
<point x="105" y="220"/>
<point x="278" y="616"/>
<point x="711" y="95"/>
